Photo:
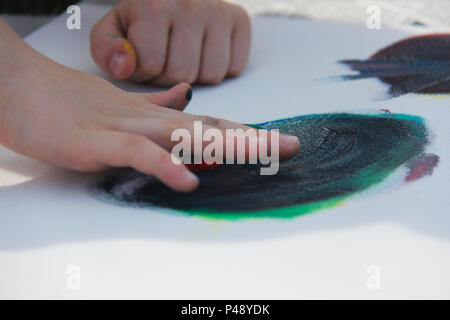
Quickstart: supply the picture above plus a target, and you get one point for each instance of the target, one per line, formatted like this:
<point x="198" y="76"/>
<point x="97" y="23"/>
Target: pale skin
<point x="79" y="121"/>
<point x="166" y="42"/>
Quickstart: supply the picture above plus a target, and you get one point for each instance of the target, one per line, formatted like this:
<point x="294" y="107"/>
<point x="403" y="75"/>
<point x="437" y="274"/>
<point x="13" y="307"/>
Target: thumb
<point x="109" y="48"/>
<point x="177" y="97"/>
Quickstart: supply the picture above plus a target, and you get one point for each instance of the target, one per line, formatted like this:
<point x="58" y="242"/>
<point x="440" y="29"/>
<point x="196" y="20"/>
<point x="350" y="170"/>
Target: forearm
<point x="12" y="48"/>
<point x="16" y="59"/>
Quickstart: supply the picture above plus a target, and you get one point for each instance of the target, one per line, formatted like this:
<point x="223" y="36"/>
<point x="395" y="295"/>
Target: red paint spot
<point x="422" y="166"/>
<point x="201" y="166"/>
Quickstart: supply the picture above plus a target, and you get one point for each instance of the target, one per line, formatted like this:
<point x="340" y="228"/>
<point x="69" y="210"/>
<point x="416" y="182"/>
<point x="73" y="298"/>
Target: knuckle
<point x="210" y="120"/>
<point x="181" y="75"/>
<point x="152" y="66"/>
<point x="193" y="11"/>
<point x="156" y="7"/>
<point x="218" y="9"/>
<point x="241" y="15"/>
<point x="189" y="5"/>
<point x="174" y="124"/>
<point x="213" y="77"/>
<point x="133" y="142"/>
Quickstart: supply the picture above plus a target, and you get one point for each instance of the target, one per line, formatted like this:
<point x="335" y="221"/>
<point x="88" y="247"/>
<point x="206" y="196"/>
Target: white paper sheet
<point x="49" y="222"/>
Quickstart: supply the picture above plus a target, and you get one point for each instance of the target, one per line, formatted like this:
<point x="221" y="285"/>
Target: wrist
<point x="15" y="57"/>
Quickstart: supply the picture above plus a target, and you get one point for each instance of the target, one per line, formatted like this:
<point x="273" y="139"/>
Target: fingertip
<point x="177" y="176"/>
<point x="186" y="182"/>
<point x="189" y="93"/>
<point x="191" y="181"/>
<point x="289" y="146"/>
<point x="123" y="61"/>
<point x="183" y="93"/>
<point x="234" y="72"/>
<point x="181" y="87"/>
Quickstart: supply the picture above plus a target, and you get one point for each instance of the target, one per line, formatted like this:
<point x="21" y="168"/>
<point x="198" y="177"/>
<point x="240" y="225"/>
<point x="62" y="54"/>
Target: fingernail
<point x="117" y="63"/>
<point x="290" y="141"/>
<point x="189" y="94"/>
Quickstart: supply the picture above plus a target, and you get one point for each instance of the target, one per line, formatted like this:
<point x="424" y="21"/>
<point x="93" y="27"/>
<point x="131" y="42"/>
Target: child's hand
<point x="171" y="41"/>
<point x="80" y="121"/>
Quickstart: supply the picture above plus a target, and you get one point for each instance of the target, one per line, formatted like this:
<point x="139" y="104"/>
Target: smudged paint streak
<point x="422" y="166"/>
<point x="414" y="65"/>
<point x="342" y="154"/>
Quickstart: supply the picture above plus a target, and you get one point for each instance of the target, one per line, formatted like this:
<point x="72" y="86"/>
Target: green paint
<point x="363" y="180"/>
<point x="112" y="36"/>
<point x="284" y="212"/>
<point x="341" y="155"/>
<point x="255" y="126"/>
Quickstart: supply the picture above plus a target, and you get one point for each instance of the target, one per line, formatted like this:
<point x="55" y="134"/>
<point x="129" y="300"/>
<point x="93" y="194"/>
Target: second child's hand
<point x="166" y="42"/>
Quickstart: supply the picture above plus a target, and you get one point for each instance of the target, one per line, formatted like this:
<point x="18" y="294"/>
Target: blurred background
<point x="35" y="7"/>
<point x="24" y="16"/>
<point x="412" y="15"/>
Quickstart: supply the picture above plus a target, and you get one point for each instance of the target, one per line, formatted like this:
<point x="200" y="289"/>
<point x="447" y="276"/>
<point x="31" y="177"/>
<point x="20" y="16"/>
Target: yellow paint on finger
<point x="129" y="48"/>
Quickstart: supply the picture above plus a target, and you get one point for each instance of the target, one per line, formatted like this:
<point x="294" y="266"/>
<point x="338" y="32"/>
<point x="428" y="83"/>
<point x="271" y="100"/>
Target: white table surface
<point x="49" y="222"/>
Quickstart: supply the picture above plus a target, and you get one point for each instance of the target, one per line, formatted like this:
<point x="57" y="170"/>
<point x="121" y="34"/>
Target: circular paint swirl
<point x="341" y="154"/>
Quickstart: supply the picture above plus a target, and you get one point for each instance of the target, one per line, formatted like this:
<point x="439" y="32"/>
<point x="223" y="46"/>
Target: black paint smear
<point x="414" y="65"/>
<point x="340" y="155"/>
